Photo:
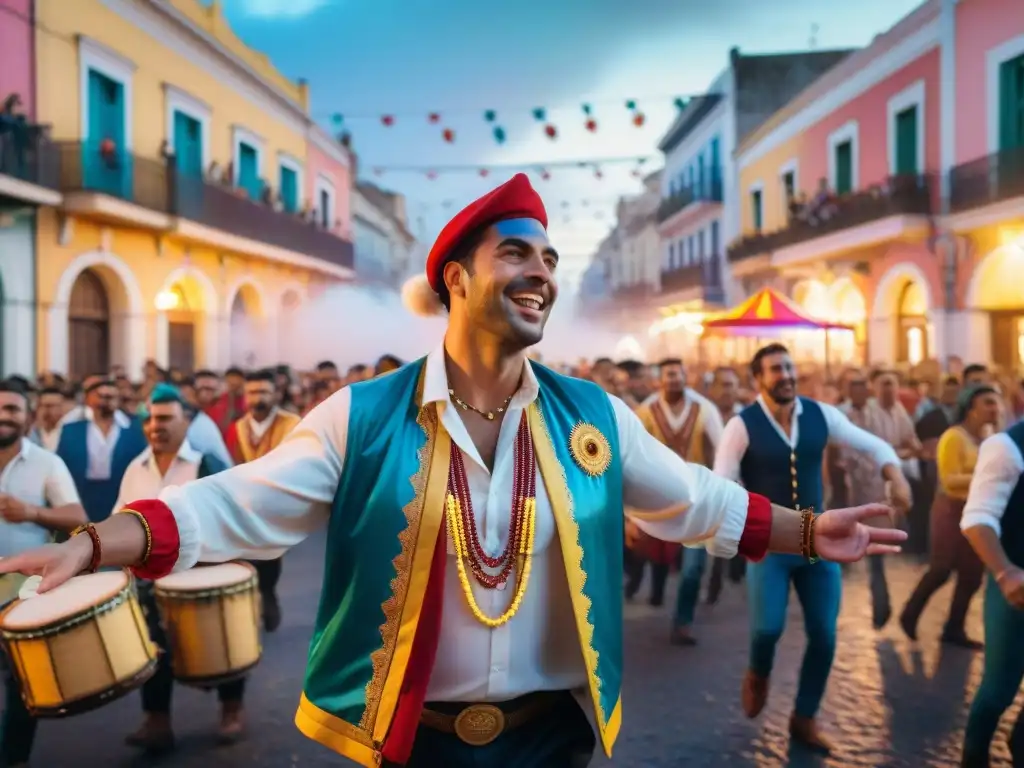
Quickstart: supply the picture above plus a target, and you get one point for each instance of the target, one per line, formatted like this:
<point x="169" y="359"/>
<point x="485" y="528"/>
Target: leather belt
<point x="480" y="724"/>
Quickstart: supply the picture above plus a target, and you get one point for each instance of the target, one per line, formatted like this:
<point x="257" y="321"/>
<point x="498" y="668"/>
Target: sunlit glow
<point x="691" y="322"/>
<point x="915" y="345"/>
<point x="168" y="300"/>
<point x="996" y="283"/>
<point x="629" y="348"/>
<point x="842" y="303"/>
<point x="1020" y="341"/>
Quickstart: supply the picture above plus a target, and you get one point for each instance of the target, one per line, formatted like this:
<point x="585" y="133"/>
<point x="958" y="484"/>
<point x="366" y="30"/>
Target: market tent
<point x="767" y="311"/>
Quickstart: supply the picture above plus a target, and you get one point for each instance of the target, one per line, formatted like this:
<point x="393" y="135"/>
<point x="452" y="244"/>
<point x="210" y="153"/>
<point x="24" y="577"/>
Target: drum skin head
<point x="70" y="598"/>
<point x="206" y="577"/>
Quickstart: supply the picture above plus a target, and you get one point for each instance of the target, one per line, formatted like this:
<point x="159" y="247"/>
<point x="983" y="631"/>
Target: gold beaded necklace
<point x="489" y="415"/>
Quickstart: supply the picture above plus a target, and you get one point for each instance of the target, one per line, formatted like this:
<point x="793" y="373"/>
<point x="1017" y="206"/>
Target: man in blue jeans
<point x="691" y="426"/>
<point x="776" y="447"/>
<point x="993" y="522"/>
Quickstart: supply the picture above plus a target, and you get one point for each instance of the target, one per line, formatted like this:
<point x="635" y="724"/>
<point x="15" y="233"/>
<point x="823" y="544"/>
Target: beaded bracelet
<point x="807" y="550"/>
<point x="145" y="526"/>
<point x="97" y="548"/>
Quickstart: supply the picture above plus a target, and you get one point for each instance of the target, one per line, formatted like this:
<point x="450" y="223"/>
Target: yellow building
<point x="183" y="234"/>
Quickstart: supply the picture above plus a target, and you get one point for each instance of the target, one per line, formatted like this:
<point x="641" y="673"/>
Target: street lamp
<point x="167" y="300"/>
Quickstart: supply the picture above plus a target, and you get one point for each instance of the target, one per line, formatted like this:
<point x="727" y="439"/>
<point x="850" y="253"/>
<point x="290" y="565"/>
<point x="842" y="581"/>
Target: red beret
<point x="515" y="199"/>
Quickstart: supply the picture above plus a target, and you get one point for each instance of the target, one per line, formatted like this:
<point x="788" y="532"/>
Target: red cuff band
<point x="758" y="529"/>
<point x="165" y="542"/>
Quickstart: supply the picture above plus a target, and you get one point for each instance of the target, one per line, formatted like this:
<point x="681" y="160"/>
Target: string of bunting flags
<point x="543" y="171"/>
<point x="588" y="115"/>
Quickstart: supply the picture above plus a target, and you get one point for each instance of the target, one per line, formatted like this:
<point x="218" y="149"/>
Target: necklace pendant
<point x="500" y="586"/>
<point x="490" y="415"/>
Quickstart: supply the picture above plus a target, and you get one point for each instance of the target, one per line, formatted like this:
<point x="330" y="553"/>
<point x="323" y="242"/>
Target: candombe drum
<point x="211" y="616"/>
<point x="78" y="646"/>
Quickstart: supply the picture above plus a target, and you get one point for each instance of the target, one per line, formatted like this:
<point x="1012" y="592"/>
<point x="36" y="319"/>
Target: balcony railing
<point x="157" y="186"/>
<point x="991" y="179"/>
<point x="26" y="154"/>
<point x="900" y="195"/>
<point x="93" y="166"/>
<point x="233" y="211"/>
<point x="706" y="275"/>
<point x="709" y="192"/>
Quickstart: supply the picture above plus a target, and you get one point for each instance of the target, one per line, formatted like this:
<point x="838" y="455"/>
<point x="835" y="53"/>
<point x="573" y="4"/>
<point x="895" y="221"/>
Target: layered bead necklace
<point x="522" y="519"/>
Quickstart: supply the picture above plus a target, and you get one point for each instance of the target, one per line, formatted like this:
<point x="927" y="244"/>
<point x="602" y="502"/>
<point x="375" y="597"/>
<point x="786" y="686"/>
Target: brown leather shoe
<point x="682" y="636"/>
<point x="805" y="730"/>
<point x="232" y="723"/>
<point x="155" y="735"/>
<point x="754" y="693"/>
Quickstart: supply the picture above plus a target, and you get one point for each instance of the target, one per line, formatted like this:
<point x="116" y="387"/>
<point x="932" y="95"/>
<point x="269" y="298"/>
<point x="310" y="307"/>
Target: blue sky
<point x="365" y="58"/>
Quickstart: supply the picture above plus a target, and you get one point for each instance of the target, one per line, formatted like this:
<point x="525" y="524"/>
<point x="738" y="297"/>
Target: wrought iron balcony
<point x="899" y="195"/>
<point x="231" y="210"/>
<point x="706" y="275"/>
<point x="990" y="179"/>
<point x="26" y="154"/>
<point x="101" y="167"/>
<point x="709" y="192"/>
<point x="157" y="186"/>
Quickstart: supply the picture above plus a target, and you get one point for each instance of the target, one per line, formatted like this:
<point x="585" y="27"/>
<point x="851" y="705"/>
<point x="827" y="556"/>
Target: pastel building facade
<point x="200" y="205"/>
<point x="889" y="194"/>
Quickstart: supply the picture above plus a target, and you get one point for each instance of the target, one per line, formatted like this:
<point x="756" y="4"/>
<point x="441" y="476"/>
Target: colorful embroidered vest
<point x="771" y="469"/>
<point x="384" y="524"/>
<point x="1013" y="519"/>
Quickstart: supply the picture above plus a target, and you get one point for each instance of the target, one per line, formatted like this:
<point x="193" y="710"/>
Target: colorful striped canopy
<point x="768" y="311"/>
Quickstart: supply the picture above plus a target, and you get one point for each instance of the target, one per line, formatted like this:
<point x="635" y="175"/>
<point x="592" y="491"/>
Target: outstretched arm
<point x="255" y="510"/>
<point x="997" y="472"/>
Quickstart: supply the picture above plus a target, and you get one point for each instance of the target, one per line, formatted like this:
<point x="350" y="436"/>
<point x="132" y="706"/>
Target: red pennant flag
<point x="434" y="118"/>
<point x="388" y="120"/>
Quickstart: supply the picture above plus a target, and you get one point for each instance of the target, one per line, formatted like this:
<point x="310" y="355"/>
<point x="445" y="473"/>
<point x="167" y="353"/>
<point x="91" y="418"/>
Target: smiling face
<point x="507" y="287"/>
<point x="777" y="377"/>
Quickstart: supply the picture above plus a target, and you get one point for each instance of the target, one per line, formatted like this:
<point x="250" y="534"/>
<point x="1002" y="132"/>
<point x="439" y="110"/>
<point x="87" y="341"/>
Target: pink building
<point x="17" y="53"/>
<point x="329" y="181"/>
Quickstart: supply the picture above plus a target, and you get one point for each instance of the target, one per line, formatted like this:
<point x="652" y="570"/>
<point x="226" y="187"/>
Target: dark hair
<point x="234" y="370"/>
<point x="880" y="372"/>
<point x="670" y="361"/>
<point x="772" y="349"/>
<point x="51" y="391"/>
<point x="387" y="362"/>
<point x="463" y="254"/>
<point x="631" y="367"/>
<point x="974" y="368"/>
<point x="320" y="386"/>
<point x="14" y="385"/>
<point x="264" y="374"/>
<point x="966" y="400"/>
<point x="325" y="365"/>
<point x="604" y="361"/>
<point x="951" y="381"/>
<point x="357" y="368"/>
<point x="204" y="373"/>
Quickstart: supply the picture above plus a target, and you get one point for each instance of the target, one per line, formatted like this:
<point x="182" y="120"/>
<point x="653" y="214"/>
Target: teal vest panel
<point x="381" y="458"/>
<point x="598" y="511"/>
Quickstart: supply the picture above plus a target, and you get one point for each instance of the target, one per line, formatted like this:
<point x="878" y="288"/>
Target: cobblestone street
<point x="888" y="704"/>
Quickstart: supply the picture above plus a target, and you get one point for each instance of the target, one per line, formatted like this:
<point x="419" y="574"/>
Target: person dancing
<point x="473" y="502"/>
<point x="976" y="414"/>
<point x="993" y="523"/>
<point x="776" y="446"/>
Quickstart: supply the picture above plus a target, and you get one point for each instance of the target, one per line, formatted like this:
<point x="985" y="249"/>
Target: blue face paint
<point x="521" y="228"/>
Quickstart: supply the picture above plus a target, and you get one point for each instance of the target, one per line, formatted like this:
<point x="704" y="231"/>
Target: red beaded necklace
<point x="524" y="488"/>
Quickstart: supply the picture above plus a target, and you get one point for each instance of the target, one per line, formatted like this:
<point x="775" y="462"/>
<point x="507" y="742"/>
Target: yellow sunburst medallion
<point x="590" y="449"/>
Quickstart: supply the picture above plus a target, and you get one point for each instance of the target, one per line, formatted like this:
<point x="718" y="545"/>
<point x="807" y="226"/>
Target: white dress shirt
<point x="259" y="509"/>
<point x="996" y="474"/>
<point x="100" y="446"/>
<point x="38" y="477"/>
<point x="710" y="416"/>
<point x="142" y="478"/>
<point x="841" y="431"/>
<point x="204" y="435"/>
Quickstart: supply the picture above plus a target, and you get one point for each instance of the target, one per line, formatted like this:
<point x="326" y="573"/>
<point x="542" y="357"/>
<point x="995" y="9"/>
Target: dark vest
<point x="771" y="469"/>
<point x="98" y="496"/>
<point x="1013" y="519"/>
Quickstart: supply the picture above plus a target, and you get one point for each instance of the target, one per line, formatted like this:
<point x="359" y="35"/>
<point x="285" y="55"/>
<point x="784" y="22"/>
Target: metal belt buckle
<point x="479" y="724"/>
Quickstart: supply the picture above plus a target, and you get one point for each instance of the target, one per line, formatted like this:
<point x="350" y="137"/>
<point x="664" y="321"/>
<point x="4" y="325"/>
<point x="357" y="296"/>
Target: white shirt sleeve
<point x="690" y="504"/>
<point x="996" y="474"/>
<point x="734" y="444"/>
<point x="59" y="488"/>
<point x="260" y="509"/>
<point x="713" y="426"/>
<point x="847" y="434"/>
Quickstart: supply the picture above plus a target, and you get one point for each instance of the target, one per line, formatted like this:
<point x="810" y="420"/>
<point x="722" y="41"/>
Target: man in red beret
<point x="473" y="502"/>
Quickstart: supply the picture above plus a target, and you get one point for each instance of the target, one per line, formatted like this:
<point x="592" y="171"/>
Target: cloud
<point x="280" y="9"/>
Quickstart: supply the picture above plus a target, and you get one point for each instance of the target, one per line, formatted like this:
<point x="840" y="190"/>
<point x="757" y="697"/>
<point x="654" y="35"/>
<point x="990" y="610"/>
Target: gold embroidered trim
<point x="572" y="554"/>
<point x="381" y="658"/>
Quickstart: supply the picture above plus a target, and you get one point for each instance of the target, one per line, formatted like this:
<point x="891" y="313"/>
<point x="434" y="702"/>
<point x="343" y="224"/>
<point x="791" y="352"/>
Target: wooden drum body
<point x="211" y="615"/>
<point x="78" y="646"/>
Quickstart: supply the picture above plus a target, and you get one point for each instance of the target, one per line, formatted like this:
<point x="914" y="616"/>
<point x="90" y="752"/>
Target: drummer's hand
<point x="15" y="510"/>
<point x="55" y="563"/>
